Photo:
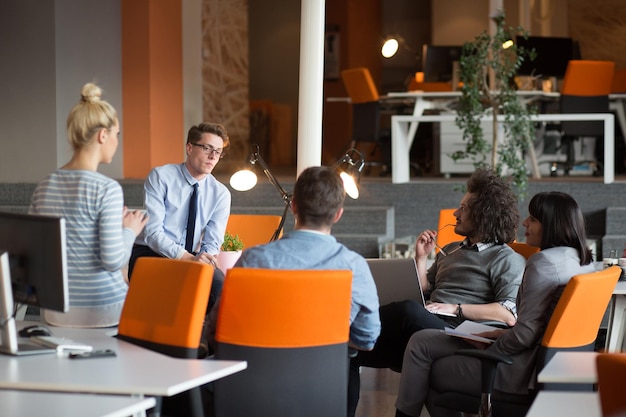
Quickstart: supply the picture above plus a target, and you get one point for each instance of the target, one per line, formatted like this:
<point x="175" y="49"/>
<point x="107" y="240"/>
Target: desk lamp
<point x="245" y="180"/>
<point x="349" y="170"/>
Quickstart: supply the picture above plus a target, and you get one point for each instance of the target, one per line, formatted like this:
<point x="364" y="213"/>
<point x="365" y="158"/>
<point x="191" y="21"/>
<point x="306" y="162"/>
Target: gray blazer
<point x="545" y="277"/>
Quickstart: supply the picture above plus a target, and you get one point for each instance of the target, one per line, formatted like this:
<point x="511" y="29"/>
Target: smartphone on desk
<point x="103" y="353"/>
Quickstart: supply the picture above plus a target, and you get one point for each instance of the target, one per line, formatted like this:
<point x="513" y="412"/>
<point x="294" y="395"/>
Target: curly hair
<point x="493" y="206"/>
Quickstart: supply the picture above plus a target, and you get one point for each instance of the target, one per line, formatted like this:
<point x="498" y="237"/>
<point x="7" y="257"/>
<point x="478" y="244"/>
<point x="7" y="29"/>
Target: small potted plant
<point x="231" y="251"/>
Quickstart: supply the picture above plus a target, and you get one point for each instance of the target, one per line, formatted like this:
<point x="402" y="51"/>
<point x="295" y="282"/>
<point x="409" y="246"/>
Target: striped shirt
<point x="98" y="246"/>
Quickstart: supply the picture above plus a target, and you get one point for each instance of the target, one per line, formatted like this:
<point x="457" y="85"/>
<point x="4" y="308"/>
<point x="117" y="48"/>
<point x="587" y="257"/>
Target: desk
<point x="570" y="368"/>
<point x="401" y="138"/>
<point x="28" y="404"/>
<point x="572" y="404"/>
<point x="617" y="317"/>
<point x="135" y="371"/>
<point x="443" y="99"/>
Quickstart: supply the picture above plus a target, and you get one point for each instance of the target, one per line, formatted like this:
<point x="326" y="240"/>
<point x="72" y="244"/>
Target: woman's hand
<point x="134" y="219"/>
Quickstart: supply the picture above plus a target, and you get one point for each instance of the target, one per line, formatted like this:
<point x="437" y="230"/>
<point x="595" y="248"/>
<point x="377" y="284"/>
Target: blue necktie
<point x="191" y="219"/>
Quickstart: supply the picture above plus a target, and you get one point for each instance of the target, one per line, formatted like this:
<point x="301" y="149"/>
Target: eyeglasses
<point x="443" y="252"/>
<point x="210" y="150"/>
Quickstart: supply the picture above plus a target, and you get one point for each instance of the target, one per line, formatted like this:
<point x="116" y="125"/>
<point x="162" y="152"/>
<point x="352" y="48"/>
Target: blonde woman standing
<point x="99" y="230"/>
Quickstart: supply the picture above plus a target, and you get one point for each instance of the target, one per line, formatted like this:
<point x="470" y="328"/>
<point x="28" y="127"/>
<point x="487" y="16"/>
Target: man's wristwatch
<point x="459" y="312"/>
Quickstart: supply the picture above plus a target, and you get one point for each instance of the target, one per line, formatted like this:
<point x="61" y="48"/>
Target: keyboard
<point x="61" y="344"/>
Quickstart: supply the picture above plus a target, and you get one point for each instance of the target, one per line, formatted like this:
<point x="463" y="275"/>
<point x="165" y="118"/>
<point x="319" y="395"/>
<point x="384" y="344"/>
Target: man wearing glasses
<point x="187" y="207"/>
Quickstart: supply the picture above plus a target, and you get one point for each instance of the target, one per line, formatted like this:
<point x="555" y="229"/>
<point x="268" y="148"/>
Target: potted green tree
<point x="230" y="251"/>
<point x="487" y="71"/>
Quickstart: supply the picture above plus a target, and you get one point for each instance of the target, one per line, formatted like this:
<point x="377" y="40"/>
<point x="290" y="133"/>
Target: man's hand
<point x="425" y="243"/>
<point x="207" y="259"/>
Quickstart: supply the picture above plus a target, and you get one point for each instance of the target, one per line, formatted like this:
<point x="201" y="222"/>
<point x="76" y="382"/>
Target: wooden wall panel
<point x="600" y="27"/>
<point x="225" y="71"/>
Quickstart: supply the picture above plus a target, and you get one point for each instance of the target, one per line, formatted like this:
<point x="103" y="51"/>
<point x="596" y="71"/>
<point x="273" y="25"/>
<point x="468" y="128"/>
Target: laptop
<point x="396" y="279"/>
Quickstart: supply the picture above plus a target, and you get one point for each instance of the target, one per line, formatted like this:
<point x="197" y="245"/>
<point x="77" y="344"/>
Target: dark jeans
<point x="399" y="320"/>
<point x="218" y="275"/>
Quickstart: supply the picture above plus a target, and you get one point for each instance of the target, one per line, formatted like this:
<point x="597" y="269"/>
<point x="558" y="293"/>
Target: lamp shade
<point x="390" y="47"/>
<point x="243" y="180"/>
<point x="349" y="184"/>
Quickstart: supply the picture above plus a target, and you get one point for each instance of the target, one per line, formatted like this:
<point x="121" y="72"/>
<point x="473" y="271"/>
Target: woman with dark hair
<point x="556" y="225"/>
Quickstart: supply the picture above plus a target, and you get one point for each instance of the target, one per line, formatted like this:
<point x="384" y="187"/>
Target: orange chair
<point x="524" y="249"/>
<point x="366" y="114"/>
<point x="253" y="229"/>
<point x="619" y="81"/>
<point x="611" y="368"/>
<point x="586" y="88"/>
<point x="446" y="233"/>
<point x="164" y="311"/>
<point x="292" y="327"/>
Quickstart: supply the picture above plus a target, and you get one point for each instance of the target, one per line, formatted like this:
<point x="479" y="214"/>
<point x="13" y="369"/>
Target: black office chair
<point x="586" y="88"/>
<point x="366" y="116"/>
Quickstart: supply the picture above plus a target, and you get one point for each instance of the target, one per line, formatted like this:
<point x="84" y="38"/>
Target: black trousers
<point x="218" y="275"/>
<point x="399" y="320"/>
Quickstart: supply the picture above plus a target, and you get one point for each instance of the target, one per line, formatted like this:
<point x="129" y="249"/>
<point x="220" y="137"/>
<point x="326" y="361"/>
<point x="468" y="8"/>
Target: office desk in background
<point x="54" y="404"/>
<point x="571" y="404"/>
<point x="134" y="371"/>
<point x="570" y="368"/>
<point x="401" y="138"/>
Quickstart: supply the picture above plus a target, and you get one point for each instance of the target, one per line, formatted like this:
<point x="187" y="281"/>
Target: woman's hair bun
<point x="90" y="93"/>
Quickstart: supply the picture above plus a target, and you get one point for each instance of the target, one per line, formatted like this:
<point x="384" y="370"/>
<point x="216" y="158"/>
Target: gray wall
<point x="49" y="50"/>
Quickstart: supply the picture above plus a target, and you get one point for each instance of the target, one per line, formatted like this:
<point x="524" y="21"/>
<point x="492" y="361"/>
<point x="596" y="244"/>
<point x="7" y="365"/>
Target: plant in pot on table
<point x="231" y="251"/>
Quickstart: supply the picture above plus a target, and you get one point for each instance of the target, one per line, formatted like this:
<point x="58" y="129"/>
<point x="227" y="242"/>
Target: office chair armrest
<point x="488" y="363"/>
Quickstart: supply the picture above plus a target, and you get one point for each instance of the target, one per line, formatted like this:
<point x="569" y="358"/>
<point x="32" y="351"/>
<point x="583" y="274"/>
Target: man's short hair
<point x="195" y="132"/>
<point x="318" y="195"/>
<point x="493" y="207"/>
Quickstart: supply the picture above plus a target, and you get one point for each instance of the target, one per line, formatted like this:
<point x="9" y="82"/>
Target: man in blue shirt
<point x="317" y="205"/>
<point x="168" y="191"/>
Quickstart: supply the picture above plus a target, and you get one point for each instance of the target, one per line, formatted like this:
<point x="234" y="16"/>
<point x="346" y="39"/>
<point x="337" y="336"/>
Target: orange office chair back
<point x="588" y="78"/>
<point x="166" y="304"/>
<point x="253" y="229"/>
<point x="619" y="81"/>
<point x="359" y="85"/>
<point x="524" y="249"/>
<point x="577" y="316"/>
<point x="446" y="233"/>
<point x="164" y="311"/>
<point x="292" y="327"/>
<point x="611" y="368"/>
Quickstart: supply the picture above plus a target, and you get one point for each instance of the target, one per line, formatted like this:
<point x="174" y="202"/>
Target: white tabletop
<point x="29" y="404"/>
<point x="570" y="367"/>
<point x="572" y="404"/>
<point x="135" y="370"/>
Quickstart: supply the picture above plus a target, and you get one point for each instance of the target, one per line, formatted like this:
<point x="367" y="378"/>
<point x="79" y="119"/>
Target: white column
<point x="311" y="89"/>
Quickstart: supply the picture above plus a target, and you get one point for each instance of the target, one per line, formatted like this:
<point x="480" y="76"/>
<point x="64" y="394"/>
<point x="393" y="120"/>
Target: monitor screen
<point x="33" y="268"/>
<point x="552" y="55"/>
<point x="437" y="62"/>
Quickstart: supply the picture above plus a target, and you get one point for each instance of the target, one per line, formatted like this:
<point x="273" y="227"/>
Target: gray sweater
<point x="472" y="276"/>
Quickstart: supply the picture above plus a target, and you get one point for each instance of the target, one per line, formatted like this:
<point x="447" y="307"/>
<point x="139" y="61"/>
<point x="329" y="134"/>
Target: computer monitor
<point x="438" y="62"/>
<point x="33" y="271"/>
<point x="552" y="55"/>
